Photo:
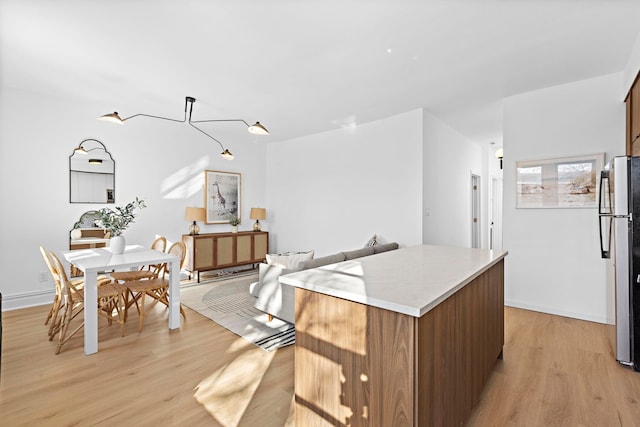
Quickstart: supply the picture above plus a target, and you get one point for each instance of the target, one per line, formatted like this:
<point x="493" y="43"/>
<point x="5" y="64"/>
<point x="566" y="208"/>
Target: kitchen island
<point x="401" y="338"/>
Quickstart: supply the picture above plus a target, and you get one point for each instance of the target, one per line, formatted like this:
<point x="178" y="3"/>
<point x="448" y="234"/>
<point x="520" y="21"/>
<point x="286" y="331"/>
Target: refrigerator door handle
<point x="604" y="215"/>
<point x="605" y="196"/>
<point x="605" y="253"/>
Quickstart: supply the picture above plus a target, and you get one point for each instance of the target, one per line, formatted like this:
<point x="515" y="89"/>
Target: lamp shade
<point x="194" y="214"/>
<point x="258" y="129"/>
<point x="226" y="154"/>
<point x="258" y="213"/>
<point x="499" y="153"/>
<point x="112" y="118"/>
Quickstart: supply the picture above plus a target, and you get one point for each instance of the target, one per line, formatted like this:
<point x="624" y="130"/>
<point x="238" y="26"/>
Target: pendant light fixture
<point x="256" y="128"/>
<point x="500" y="155"/>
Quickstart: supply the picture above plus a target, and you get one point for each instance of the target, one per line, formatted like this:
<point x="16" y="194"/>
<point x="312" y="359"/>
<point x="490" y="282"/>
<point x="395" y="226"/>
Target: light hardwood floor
<point x="556" y="372"/>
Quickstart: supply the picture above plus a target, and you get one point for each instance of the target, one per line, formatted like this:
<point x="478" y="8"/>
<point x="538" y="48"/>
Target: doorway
<point x="475" y="211"/>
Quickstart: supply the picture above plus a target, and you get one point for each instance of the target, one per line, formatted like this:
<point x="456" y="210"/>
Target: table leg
<point x="174" y="295"/>
<point x="90" y="312"/>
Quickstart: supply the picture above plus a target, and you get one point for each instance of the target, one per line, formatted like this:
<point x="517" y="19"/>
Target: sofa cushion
<point x="289" y="260"/>
<point x="359" y="253"/>
<point x="372" y="241"/>
<point x="385" y="247"/>
<point x="319" y="262"/>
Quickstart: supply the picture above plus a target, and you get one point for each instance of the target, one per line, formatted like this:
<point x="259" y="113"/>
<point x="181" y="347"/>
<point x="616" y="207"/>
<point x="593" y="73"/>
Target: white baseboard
<point x="27" y="299"/>
<point x="580" y="316"/>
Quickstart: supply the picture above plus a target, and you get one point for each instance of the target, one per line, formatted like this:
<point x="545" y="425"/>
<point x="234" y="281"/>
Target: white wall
<point x="332" y="191"/>
<point x="554" y="263"/>
<point x="162" y="162"/>
<point x="449" y="160"/>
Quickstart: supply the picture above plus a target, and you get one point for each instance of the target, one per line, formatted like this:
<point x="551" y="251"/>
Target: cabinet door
<point x="204" y="250"/>
<point x="260" y="246"/>
<point x="243" y="249"/>
<point x="224" y="251"/>
<point x="635" y="112"/>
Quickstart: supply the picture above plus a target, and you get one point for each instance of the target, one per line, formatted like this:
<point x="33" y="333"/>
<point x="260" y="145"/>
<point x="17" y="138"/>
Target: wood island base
<point x="361" y="365"/>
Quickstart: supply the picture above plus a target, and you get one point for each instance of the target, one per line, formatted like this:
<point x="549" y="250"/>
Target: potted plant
<point x="116" y="221"/>
<point x="234" y="221"/>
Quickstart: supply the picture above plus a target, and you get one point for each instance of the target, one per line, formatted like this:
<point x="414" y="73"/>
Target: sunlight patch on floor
<point x="227" y="392"/>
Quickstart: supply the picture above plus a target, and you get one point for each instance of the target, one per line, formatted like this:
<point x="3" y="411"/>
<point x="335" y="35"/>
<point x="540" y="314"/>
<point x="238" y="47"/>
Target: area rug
<point x="229" y="304"/>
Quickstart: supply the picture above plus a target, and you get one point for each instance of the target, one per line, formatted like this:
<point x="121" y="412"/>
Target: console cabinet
<point x="89" y="238"/>
<point x="213" y="251"/>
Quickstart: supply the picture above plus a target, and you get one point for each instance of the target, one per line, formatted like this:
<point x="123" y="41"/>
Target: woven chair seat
<point x="126" y="276"/>
<point x="110" y="290"/>
<point x="146" y="285"/>
<point x="79" y="283"/>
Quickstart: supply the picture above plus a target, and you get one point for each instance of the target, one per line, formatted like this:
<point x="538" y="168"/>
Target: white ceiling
<point x="302" y="67"/>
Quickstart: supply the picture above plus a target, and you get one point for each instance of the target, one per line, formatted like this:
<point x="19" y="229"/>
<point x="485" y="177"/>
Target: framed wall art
<point x="221" y="196"/>
<point x="564" y="182"/>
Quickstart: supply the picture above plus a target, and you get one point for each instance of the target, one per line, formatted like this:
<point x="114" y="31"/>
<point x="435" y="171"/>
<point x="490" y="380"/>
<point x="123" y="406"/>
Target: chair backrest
<point x="47" y="261"/>
<point x="179" y="250"/>
<point x="69" y="291"/>
<point x="53" y="271"/>
<point x="160" y="244"/>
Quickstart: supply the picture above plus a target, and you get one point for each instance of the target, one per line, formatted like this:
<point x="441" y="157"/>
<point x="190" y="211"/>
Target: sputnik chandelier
<point x="256" y="128"/>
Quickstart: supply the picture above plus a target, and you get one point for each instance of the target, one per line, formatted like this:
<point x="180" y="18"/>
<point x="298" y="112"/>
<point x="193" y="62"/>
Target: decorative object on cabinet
<point x="221" y="196"/>
<point x="194" y="214"/>
<point x="116" y="221"/>
<point x="76" y="234"/>
<point x="215" y="251"/>
<point x="566" y="182"/>
<point x="91" y="179"/>
<point x="234" y="221"/>
<point x="258" y="214"/>
<point x="256" y="128"/>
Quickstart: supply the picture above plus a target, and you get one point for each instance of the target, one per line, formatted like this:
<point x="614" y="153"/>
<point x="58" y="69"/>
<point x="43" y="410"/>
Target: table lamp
<point x="257" y="214"/>
<point x="194" y="214"/>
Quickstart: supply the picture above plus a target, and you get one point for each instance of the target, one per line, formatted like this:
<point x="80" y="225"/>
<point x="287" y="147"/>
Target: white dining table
<point x="95" y="260"/>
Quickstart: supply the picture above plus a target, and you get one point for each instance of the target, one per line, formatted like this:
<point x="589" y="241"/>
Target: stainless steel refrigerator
<point x="619" y="211"/>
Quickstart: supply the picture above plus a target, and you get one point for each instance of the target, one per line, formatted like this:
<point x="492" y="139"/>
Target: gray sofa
<point x="278" y="300"/>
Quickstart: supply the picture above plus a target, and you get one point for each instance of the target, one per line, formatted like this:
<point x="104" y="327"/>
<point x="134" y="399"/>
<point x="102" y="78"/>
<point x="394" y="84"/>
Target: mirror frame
<point x="110" y="192"/>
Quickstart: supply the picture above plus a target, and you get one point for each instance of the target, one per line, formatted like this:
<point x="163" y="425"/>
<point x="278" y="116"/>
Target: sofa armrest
<point x="273" y="297"/>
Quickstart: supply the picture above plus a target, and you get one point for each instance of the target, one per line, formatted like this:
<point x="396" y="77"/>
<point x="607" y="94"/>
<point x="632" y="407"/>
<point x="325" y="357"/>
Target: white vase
<point x="234" y="228"/>
<point x="76" y="234"/>
<point x="117" y="244"/>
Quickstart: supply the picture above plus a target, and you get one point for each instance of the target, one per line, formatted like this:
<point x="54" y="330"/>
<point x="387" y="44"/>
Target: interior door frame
<point x="495" y="212"/>
<point x="476" y="210"/>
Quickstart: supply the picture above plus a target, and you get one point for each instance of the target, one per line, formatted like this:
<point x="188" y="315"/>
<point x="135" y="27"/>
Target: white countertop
<point x="409" y="280"/>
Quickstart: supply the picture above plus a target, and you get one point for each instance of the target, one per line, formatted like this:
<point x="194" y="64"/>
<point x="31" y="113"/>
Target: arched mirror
<point x="92" y="174"/>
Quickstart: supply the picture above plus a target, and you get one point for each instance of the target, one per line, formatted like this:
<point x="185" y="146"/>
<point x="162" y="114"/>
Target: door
<point x="495" y="224"/>
<point x="475" y="211"/>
